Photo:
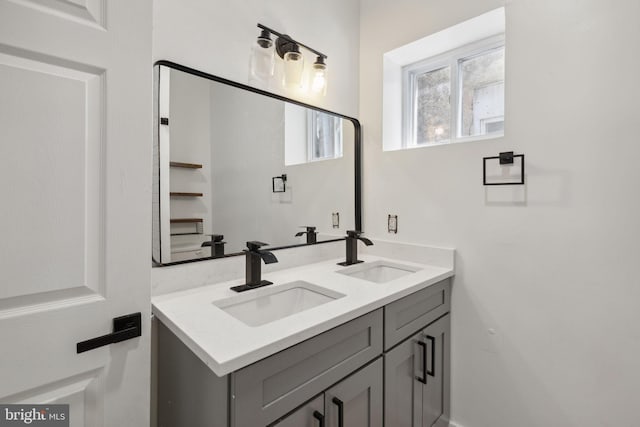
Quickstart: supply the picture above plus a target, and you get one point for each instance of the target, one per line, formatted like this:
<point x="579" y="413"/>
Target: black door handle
<point x="340" y="404"/>
<point x="318" y="416"/>
<point x="423" y="380"/>
<point x="432" y="372"/>
<point x="124" y="328"/>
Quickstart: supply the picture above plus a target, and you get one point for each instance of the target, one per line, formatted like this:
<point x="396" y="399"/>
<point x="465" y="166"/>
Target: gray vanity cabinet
<point x="266" y="390"/>
<point x="435" y="395"/>
<point x="402" y="392"/>
<point x="417" y="378"/>
<point x="357" y="400"/>
<point x="334" y="379"/>
<point x="308" y="415"/>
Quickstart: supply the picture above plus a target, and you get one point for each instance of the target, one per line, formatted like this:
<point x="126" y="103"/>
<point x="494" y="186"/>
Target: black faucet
<point x="311" y="234"/>
<point x="216" y="244"/>
<point x="352" y="247"/>
<point x="254" y="266"/>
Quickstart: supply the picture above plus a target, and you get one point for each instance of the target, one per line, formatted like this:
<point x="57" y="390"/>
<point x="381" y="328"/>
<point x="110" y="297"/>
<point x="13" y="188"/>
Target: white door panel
<point x="88" y="12"/>
<point x="75" y="164"/>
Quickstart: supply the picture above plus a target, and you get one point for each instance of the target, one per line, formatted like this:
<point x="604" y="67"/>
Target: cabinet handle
<point x="423" y="379"/>
<point x="340" y="404"/>
<point x="432" y="372"/>
<point x="318" y="416"/>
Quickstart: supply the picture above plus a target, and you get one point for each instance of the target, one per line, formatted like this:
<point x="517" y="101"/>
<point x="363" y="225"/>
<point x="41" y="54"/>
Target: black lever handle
<point x="432" y="372"/>
<point x="318" y="416"/>
<point x="423" y="380"/>
<point x="254" y="246"/>
<point x="124" y="328"/>
<point x="354" y="233"/>
<point x="340" y="404"/>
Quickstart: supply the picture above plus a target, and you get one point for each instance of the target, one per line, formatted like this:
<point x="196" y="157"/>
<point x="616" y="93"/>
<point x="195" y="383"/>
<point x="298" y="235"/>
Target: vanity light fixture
<point x="319" y="76"/>
<point x="262" y="62"/>
<point x="288" y="49"/>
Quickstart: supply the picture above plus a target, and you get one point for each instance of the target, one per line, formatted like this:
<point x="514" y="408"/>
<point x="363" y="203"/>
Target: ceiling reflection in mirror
<point x="234" y="164"/>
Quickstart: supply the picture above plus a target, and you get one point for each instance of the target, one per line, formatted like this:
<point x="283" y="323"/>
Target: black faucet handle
<point x="309" y="229"/>
<point x="215" y="239"/>
<point x="354" y="233"/>
<point x="255" y="246"/>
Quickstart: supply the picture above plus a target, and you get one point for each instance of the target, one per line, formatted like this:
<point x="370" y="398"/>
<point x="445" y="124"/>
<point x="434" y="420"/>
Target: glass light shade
<point x="262" y="63"/>
<point x="319" y="78"/>
<point x="293" y="69"/>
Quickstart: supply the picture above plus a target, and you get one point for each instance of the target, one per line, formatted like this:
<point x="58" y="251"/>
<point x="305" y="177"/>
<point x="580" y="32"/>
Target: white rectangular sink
<point x="273" y="302"/>
<point x="379" y="271"/>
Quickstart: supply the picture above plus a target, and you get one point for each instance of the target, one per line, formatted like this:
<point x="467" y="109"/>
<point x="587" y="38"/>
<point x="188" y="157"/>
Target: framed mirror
<point x="234" y="164"/>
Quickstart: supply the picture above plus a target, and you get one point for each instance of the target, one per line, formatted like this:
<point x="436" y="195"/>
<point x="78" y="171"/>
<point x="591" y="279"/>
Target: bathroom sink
<point x="379" y="271"/>
<point x="265" y="305"/>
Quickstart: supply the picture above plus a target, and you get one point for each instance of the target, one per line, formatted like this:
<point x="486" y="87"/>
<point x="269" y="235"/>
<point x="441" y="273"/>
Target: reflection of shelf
<point x="183" y="194"/>
<point x="185" y="220"/>
<point x="185" y="165"/>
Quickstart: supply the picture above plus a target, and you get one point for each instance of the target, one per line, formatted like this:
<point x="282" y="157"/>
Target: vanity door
<point x="402" y="387"/>
<point x="435" y="390"/>
<point x="308" y="415"/>
<point x="357" y="400"/>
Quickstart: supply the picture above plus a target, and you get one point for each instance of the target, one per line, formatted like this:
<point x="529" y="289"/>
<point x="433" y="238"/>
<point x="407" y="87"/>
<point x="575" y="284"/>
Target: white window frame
<point x="311" y="130"/>
<point x="453" y="60"/>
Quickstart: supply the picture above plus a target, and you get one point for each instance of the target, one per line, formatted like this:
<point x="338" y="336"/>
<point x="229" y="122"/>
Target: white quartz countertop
<point x="226" y="344"/>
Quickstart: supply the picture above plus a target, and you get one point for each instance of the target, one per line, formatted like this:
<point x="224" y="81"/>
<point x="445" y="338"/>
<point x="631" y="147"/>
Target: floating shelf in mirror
<point x="185" y="165"/>
<point x="183" y="194"/>
<point x="242" y="137"/>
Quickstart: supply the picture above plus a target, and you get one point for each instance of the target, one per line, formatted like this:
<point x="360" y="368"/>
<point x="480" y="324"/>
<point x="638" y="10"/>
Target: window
<point x="310" y="135"/>
<point x="455" y="96"/>
<point x="325" y="136"/>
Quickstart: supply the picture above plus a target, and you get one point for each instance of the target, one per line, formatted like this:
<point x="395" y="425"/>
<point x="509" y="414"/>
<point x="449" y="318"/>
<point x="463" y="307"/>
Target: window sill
<point x="450" y="142"/>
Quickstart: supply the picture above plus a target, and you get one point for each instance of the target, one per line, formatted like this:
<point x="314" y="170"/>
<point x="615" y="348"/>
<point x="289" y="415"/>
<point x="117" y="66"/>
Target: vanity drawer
<point x="262" y="392"/>
<point x="408" y="315"/>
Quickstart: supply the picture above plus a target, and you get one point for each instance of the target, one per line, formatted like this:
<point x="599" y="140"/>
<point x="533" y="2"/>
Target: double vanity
<point x="324" y="345"/>
<point x="324" y="337"/>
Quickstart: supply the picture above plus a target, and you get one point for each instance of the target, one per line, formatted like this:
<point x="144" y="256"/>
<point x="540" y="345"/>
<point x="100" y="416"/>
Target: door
<point x="310" y="414"/>
<point x="402" y="386"/>
<point x="75" y="168"/>
<point x="435" y="338"/>
<point x="357" y="400"/>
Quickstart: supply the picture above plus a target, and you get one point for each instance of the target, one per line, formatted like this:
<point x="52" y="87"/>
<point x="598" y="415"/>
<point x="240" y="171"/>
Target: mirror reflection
<point x="234" y="165"/>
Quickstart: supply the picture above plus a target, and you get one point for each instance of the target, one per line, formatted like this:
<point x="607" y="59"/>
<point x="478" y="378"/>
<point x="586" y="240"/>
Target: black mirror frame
<point x="357" y="152"/>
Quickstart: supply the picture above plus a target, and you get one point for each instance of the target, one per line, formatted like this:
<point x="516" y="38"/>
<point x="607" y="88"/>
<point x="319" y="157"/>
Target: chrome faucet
<point x="352" y="246"/>
<point x="311" y="234"/>
<point x="253" y="269"/>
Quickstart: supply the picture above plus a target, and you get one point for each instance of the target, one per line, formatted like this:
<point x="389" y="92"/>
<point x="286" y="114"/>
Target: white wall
<point x="551" y="269"/>
<point x="190" y="142"/>
<point x="215" y="36"/>
<point x="244" y="160"/>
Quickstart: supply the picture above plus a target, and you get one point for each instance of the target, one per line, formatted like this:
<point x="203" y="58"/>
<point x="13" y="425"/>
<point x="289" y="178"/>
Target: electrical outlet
<point x="392" y="224"/>
<point x="335" y="218"/>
